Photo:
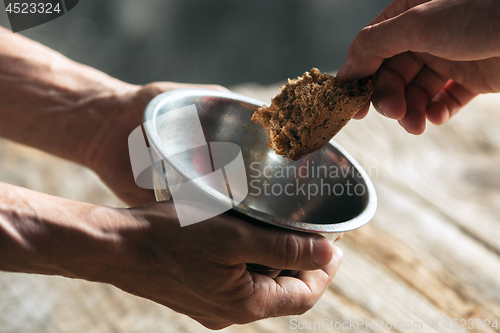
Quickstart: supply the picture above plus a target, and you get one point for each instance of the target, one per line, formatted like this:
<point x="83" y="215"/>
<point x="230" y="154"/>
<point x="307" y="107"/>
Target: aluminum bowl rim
<point x="358" y="221"/>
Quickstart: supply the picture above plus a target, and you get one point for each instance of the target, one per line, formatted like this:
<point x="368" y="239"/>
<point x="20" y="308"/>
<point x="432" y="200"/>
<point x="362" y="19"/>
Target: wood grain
<point x="432" y="251"/>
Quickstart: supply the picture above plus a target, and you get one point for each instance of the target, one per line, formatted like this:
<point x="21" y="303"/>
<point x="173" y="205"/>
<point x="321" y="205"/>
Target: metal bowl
<point x="199" y="136"/>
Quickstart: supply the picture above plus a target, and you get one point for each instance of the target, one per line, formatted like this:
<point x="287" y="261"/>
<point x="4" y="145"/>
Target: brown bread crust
<point x="310" y="110"/>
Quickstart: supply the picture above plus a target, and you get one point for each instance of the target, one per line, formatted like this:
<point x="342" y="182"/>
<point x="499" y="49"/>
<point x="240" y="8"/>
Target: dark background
<point x="207" y="41"/>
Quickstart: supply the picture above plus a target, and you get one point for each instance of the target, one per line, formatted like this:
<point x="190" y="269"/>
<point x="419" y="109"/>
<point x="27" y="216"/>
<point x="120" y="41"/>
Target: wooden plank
<point x="462" y="282"/>
<point x="39" y="171"/>
<point x="464" y="263"/>
<point x="454" y="291"/>
<point x="431" y="252"/>
<point x="452" y="168"/>
<point x="383" y="293"/>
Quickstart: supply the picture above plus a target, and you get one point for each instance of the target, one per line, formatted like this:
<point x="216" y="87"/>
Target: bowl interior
<point x="326" y="191"/>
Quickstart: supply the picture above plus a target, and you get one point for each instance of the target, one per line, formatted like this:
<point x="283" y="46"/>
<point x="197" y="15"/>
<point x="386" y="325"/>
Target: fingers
<point x="283" y="249"/>
<point x="418" y="96"/>
<point x="432" y="32"/>
<point x="295" y="295"/>
<point x="363" y="111"/>
<point x="387" y="38"/>
<point x="395" y="8"/>
<point x="392" y="79"/>
<point x="372" y="45"/>
<point x="410" y="92"/>
<point x="447" y="102"/>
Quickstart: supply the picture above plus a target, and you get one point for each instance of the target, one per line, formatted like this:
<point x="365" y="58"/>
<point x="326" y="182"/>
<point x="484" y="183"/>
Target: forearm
<point x="50" y="102"/>
<point x="47" y="235"/>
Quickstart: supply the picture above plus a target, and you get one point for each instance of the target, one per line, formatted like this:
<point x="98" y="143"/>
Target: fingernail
<point x="380" y="109"/>
<point x="322" y="252"/>
<point x="345" y="70"/>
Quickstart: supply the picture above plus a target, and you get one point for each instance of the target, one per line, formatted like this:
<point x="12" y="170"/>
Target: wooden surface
<point x="431" y="253"/>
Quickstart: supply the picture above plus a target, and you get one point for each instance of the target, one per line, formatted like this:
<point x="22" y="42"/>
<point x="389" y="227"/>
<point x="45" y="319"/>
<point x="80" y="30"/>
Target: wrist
<point x="42" y="234"/>
<point x="83" y="249"/>
<point x="141" y="238"/>
<point x="93" y="119"/>
<point x="94" y="103"/>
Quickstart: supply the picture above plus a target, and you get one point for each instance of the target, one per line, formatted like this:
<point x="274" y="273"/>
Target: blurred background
<point x="197" y="41"/>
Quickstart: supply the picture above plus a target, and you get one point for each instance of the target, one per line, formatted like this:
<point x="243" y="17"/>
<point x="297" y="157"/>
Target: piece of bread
<point x="310" y="110"/>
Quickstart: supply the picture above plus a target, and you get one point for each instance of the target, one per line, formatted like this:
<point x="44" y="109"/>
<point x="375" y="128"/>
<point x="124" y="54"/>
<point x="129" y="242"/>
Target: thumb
<point x="381" y="41"/>
<point x="288" y="250"/>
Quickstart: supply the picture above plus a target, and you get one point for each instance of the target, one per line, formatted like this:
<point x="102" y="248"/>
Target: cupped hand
<point x="200" y="270"/>
<point x="107" y="150"/>
<point x="430" y="58"/>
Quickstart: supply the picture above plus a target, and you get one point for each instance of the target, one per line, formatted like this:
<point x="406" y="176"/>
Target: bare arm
<point x="50" y="102"/>
<point x="73" y="111"/>
<point x="197" y="270"/>
<point x="48" y="235"/>
<point x="76" y="112"/>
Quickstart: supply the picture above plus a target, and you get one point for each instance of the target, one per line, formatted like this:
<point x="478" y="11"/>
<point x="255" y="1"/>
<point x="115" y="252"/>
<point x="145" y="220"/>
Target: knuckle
<point x="374" y="41"/>
<point x="287" y="251"/>
<point x="237" y="235"/>
<point x="229" y="230"/>
<point x="363" y="39"/>
<point x="365" y="45"/>
<point x="231" y="241"/>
